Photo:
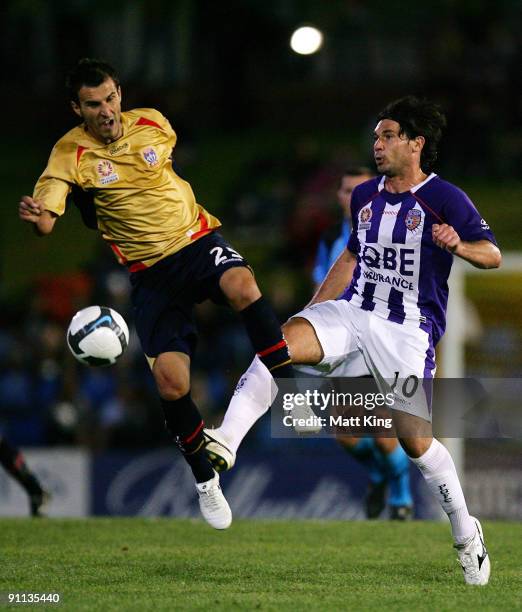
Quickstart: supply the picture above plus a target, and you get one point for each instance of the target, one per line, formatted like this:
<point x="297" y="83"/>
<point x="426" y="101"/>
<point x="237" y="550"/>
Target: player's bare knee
<point x="171" y="389"/>
<point x="240" y="288"/>
<point x="292" y="336"/>
<point x="247" y="294"/>
<point x="415" y="447"/>
<point x="303" y="344"/>
<point x="172" y="378"/>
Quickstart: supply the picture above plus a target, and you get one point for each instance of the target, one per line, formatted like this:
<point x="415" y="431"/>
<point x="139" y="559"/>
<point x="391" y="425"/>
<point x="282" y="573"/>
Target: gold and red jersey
<point x="143" y="208"/>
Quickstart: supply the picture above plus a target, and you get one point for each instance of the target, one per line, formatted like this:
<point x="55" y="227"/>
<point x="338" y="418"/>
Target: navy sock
<point x="13" y="461"/>
<point x="185" y="425"/>
<point x="264" y="331"/>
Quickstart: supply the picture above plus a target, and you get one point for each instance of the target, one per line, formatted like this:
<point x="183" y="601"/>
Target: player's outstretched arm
<point x="338" y="277"/>
<point x="481" y="254"/>
<point x="31" y="211"/>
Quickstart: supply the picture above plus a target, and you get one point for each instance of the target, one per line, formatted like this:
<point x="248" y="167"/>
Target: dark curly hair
<point x="89" y="72"/>
<point x="418" y="117"/>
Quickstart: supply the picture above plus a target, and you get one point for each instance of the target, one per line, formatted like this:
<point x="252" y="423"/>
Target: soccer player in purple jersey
<point x="383" y="457"/>
<point x="382" y="308"/>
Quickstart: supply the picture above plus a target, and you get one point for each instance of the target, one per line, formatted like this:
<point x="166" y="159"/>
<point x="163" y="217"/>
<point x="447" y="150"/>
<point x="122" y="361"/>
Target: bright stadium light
<point x="306" y="40"/>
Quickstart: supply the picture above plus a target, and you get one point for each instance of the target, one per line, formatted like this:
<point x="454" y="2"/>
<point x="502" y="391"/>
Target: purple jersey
<point x="401" y="275"/>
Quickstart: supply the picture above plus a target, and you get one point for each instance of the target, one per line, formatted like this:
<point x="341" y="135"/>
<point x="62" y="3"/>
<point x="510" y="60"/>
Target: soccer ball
<point x="97" y="336"/>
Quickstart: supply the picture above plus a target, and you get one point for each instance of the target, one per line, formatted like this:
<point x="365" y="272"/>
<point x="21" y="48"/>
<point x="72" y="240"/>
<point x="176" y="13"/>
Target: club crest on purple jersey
<point x="413" y="219"/>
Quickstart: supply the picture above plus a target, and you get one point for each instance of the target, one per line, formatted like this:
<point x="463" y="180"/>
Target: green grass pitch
<point x="162" y="564"/>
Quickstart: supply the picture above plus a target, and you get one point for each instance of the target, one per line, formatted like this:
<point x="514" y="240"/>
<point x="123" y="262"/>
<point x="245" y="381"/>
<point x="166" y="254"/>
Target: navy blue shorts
<point x="163" y="296"/>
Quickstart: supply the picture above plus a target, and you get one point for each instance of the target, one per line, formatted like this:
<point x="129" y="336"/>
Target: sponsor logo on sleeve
<point x="484" y="224"/>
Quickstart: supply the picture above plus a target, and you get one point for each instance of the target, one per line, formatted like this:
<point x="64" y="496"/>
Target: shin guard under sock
<point x="185" y="425"/>
<point x="264" y="331"/>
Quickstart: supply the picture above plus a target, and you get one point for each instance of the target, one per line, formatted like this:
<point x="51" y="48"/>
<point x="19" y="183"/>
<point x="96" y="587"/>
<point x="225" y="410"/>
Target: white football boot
<point x="218" y="451"/>
<point x="474" y="558"/>
<point x="212" y="503"/>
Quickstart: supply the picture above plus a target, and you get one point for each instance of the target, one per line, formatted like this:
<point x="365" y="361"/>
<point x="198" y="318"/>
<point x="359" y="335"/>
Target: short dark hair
<point x="418" y="117"/>
<point x="357" y="171"/>
<point x="90" y="72"/>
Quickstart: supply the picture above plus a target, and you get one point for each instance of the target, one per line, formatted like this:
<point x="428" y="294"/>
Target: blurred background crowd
<point x="264" y="135"/>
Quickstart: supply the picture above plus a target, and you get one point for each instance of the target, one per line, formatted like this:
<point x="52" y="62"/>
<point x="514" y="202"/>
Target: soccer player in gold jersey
<point x="168" y="242"/>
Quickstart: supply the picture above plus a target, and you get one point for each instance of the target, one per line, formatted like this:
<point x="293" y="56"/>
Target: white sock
<point x="438" y="469"/>
<point x="252" y="397"/>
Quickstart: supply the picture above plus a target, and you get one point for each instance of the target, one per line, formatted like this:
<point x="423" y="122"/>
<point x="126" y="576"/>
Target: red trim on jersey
<point x="419" y="200"/>
<point x="423" y="203"/>
<point x="145" y="121"/>
<point x="121" y="257"/>
<point x="193" y="435"/>
<point x="272" y="349"/>
<point x="203" y="228"/>
<point x="133" y="267"/>
<point x="370" y="199"/>
<point x="137" y="266"/>
<point x="79" y="152"/>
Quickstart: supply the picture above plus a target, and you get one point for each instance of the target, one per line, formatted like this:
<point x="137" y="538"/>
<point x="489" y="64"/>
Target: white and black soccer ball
<point x="97" y="336"/>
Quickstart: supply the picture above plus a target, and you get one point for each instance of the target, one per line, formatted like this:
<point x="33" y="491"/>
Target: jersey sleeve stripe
<point x="79" y="152"/>
<point x="145" y="121"/>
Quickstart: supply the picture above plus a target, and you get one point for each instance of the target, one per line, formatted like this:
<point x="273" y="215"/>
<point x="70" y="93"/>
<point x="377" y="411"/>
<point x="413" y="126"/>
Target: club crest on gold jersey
<point x="150" y="156"/>
<point x="106" y="172"/>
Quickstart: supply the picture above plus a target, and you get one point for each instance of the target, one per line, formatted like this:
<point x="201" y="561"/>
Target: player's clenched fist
<point x="34" y="212"/>
<point x="29" y="210"/>
<point x="445" y="237"/>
